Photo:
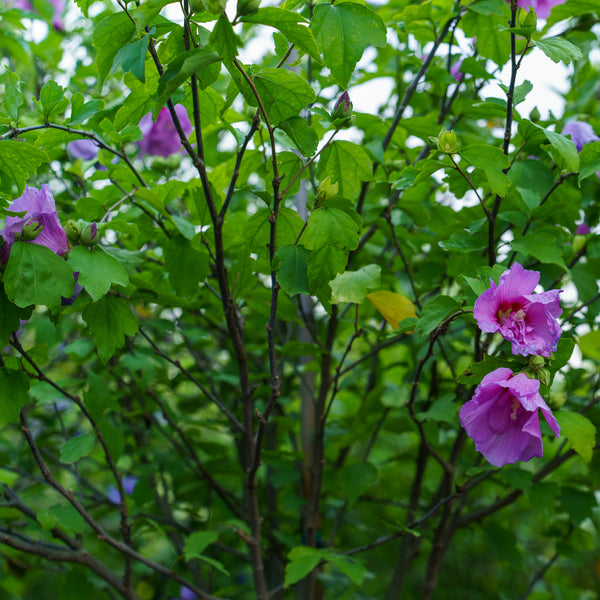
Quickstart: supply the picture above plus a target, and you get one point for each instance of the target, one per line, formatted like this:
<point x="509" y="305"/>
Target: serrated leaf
<point x="478" y="370"/>
<point x="589" y="344"/>
<point x="354" y="570"/>
<point x="393" y="307"/>
<point x="589" y="158"/>
<point x="10" y="316"/>
<point x="97" y="397"/>
<point x="197" y="542"/>
<point x="352" y="286"/>
<point x="348" y="165"/>
<point x="109" y="320"/>
<point x="77" y="448"/>
<point x="559" y="49"/>
<point x="302" y="560"/>
<point x="302" y="134"/>
<point x="331" y="225"/>
<point x="580" y="432"/>
<point x="81" y="110"/>
<point x="323" y="264"/>
<point x="343" y="31"/>
<point x="20" y="160"/>
<point x="291" y="24"/>
<point x="491" y="161"/>
<point x="224" y="39"/>
<point x="14" y="388"/>
<point x="185" y="265"/>
<point x="283" y="93"/>
<point x="65" y="517"/>
<point x="435" y="311"/>
<point x="292" y="272"/>
<point x="443" y="410"/>
<point x="132" y="58"/>
<point x="97" y="270"/>
<point x="35" y="275"/>
<point x="541" y="244"/>
<point x="110" y="35"/>
<point x="52" y="100"/>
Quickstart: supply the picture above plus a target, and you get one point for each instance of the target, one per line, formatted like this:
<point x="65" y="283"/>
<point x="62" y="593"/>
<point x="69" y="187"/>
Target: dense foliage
<point x="258" y="344"/>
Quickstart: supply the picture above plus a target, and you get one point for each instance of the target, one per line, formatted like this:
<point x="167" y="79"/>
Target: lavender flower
<point x="83" y="148"/>
<point x="502" y="417"/>
<point x="525" y="319"/>
<point x="581" y="133"/>
<point x="129" y="483"/>
<point x="40" y="224"/>
<point x="582" y="229"/>
<point x="542" y="7"/>
<point x="161" y="138"/>
<point x="59" y="9"/>
<point x="456" y="72"/>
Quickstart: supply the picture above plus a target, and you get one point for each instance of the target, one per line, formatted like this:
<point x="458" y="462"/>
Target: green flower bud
<point x="89" y="235"/>
<point x="215" y="7"/>
<point x="247" y="7"/>
<point x="557" y="400"/>
<point x="530" y="20"/>
<point x="544" y="376"/>
<point x="534" y="115"/>
<point x="447" y="142"/>
<point x="537" y="363"/>
<point x="328" y="190"/>
<point x="73" y="230"/>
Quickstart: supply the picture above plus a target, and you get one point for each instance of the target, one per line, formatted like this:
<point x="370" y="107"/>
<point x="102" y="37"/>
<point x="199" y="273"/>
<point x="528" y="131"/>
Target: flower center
<point x="515" y="407"/>
<point x="513" y="313"/>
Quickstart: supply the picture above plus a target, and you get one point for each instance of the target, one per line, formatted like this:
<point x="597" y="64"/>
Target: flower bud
<point x="247" y="7"/>
<point x="447" y="142"/>
<point x="529" y="23"/>
<point x="556" y="400"/>
<point x="342" y="115"/>
<point x="328" y="190"/>
<point x="89" y="234"/>
<point x="73" y="230"/>
<point x="30" y="231"/>
<point x="537" y="363"/>
<point x="534" y="115"/>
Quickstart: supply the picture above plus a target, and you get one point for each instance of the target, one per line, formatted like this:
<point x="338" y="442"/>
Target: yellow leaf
<point x="393" y="307"/>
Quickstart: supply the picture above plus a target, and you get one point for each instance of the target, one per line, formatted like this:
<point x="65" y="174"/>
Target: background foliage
<point x="256" y="394"/>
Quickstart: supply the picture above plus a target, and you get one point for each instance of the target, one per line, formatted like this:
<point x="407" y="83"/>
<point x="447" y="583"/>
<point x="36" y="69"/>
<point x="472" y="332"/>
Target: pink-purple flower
<point x="129" y="482"/>
<point x="542" y="7"/>
<point x="502" y="417"/>
<point x="161" y="138"/>
<point x="40" y="224"/>
<point x="525" y="319"/>
<point x="456" y="72"/>
<point x="581" y="133"/>
<point x="59" y="9"/>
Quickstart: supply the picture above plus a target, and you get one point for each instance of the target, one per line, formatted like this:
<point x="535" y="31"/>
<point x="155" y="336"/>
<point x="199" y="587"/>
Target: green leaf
<point x="283" y="93"/>
<point x="109" y="320"/>
<point x="20" y="160"/>
<point x="197" y="542"/>
<point x="559" y="49"/>
<point x="192" y="62"/>
<point x="109" y="36"/>
<point x="491" y="161"/>
<point x="35" y="275"/>
<point x="186" y="266"/>
<point x="84" y="6"/>
<point x="323" y="264"/>
<point x="81" y="110"/>
<point x="97" y="270"/>
<point x="139" y="102"/>
<point x="113" y="437"/>
<point x="52" y="100"/>
<point x="435" y="311"/>
<point x="302" y="560"/>
<point x="571" y="8"/>
<point x="291" y="24"/>
<point x="589" y="158"/>
<point x="350" y="567"/>
<point x="563" y="150"/>
<point x="331" y="226"/>
<point x="65" y="517"/>
<point x="589" y="344"/>
<point x="292" y="274"/>
<point x="443" y="410"/>
<point x="257" y="231"/>
<point x="353" y="286"/>
<point x="348" y="165"/>
<point x="521" y="92"/>
<point x="132" y="58"/>
<point x="10" y="316"/>
<point x="14" y="391"/>
<point x="224" y="39"/>
<point x="580" y="432"/>
<point x="13" y="97"/>
<point x="343" y="31"/>
<point x="478" y="370"/>
<point x="542" y="244"/>
<point x="354" y="480"/>
<point x="490" y="42"/>
<point x="97" y="398"/>
<point x="302" y="134"/>
<point x="77" y="448"/>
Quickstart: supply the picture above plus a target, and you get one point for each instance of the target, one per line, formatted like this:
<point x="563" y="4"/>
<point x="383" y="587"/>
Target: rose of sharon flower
<point x="456" y="72"/>
<point x="502" y="417"/>
<point x="40" y="220"/>
<point x="83" y="148"/>
<point x="161" y="138"/>
<point x="542" y="7"/>
<point x="59" y="9"/>
<point x="186" y="594"/>
<point x="525" y="319"/>
<point x="129" y="482"/>
<point x="581" y="133"/>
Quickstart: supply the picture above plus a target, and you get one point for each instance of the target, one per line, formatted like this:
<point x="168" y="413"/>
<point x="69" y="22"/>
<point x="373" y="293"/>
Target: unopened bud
<point x="556" y="400"/>
<point x="447" y="142"/>
<point x="537" y="363"/>
<point x="73" y="230"/>
<point x="342" y="116"/>
<point x="247" y="7"/>
<point x="534" y="115"/>
<point x="89" y="235"/>
<point x="328" y="190"/>
<point x="529" y="23"/>
<point x="544" y="376"/>
<point x="30" y="231"/>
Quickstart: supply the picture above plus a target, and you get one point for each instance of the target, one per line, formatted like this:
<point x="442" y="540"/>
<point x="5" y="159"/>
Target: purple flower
<point x="59" y="9"/>
<point x="502" y="417"/>
<point x="581" y="133"/>
<point x="542" y="7"/>
<point x="582" y="229"/>
<point x="76" y="291"/>
<point x="161" y="138"/>
<point x="186" y="594"/>
<point x="525" y="319"/>
<point x="129" y="482"/>
<point x="40" y="220"/>
<point x="456" y="72"/>
<point x="84" y="149"/>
